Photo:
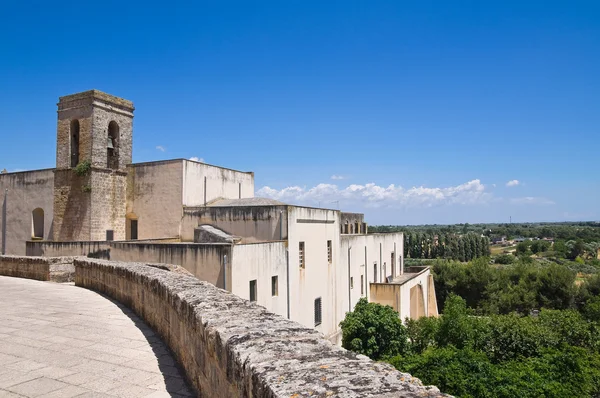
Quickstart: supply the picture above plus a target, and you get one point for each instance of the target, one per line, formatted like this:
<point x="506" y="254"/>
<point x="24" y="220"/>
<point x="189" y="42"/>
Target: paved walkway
<point x="59" y="340"/>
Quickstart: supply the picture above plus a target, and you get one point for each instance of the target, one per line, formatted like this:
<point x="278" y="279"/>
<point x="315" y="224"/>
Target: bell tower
<point x="93" y="148"/>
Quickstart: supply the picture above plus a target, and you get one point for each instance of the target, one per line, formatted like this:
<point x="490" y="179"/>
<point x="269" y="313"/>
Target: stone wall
<point x="58" y="269"/>
<point x="230" y="347"/>
<point x="25" y="192"/>
<point x="108" y="198"/>
<point x="57" y="249"/>
<point x="72" y="206"/>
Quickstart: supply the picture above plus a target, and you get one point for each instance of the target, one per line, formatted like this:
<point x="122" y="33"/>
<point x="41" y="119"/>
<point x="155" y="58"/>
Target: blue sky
<point x="422" y="111"/>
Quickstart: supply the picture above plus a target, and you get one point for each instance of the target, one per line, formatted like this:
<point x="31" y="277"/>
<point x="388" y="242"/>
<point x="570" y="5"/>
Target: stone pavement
<point x="59" y="340"/>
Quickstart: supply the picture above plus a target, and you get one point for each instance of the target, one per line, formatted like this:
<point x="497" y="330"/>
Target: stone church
<point x="311" y="265"/>
<point x="95" y="193"/>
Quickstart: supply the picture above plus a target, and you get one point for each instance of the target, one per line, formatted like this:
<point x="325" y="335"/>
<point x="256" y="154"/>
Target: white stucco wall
<point x="26" y="191"/>
<point x="220" y="183"/>
<point x="358" y="250"/>
<point x="154" y="192"/>
<point x="260" y="262"/>
<point x="314" y="227"/>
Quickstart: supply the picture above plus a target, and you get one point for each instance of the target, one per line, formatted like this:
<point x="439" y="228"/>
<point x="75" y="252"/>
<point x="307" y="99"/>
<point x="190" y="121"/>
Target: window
<point x="351" y="282"/>
<point x="110" y="235"/>
<point x="74" y="142"/>
<point x="362" y="285"/>
<point x="253" y="290"/>
<point x="301" y="255"/>
<point x="318" y="315"/>
<point x="37" y="220"/>
<point x="384" y="271"/>
<point x="393" y="263"/>
<point x="329" y="251"/>
<point x="356" y="228"/>
<point x="275" y="285"/>
<point x="133" y="229"/>
<point x="112" y="146"/>
<point x="375" y="272"/>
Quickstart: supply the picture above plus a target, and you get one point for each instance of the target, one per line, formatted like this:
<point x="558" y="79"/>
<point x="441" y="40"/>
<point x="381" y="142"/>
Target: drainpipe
<point x="366" y="276"/>
<point x="394" y="265"/>
<point x="349" y="287"/>
<point x="225" y="272"/>
<point x="381" y="263"/>
<point x="287" y="273"/>
<point x="280" y="224"/>
<point x="204" y="190"/>
<point x="4" y="222"/>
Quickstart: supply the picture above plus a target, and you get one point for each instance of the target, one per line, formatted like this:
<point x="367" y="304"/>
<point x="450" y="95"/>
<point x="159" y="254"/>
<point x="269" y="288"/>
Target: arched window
<point x="112" y="146"/>
<point x="37" y="221"/>
<point x="74" y="142"/>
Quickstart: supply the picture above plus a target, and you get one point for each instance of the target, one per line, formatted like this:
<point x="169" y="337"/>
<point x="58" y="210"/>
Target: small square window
<point x="253" y="290"/>
<point x="275" y="285"/>
<point x="301" y="255"/>
<point x="318" y="315"/>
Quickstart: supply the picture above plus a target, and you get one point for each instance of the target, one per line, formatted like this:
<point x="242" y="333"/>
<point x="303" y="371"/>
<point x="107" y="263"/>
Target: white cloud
<point x="513" y="183"/>
<point x="371" y="195"/>
<point x="197" y="159"/>
<point x="161" y="148"/>
<point x="336" y="177"/>
<point x="530" y="200"/>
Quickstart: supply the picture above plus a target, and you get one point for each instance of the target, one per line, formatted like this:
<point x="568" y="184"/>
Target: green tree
<point x="374" y="330"/>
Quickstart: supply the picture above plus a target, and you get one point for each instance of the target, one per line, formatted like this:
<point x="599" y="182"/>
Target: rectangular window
<point x="375" y="272"/>
<point x="329" y="251"/>
<point x="110" y="235"/>
<point x="253" y="290"/>
<point x="275" y="286"/>
<point x="301" y="255"/>
<point x="318" y="311"/>
<point x="351" y="282"/>
<point x="134" y="229"/>
<point x="393" y="263"/>
<point x="362" y="285"/>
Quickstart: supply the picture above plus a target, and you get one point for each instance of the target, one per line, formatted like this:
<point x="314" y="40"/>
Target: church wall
<point x="154" y="193"/>
<point x="108" y="198"/>
<point x="72" y="206"/>
<point x="220" y="183"/>
<point x="251" y="223"/>
<point x="204" y="261"/>
<point x="26" y="191"/>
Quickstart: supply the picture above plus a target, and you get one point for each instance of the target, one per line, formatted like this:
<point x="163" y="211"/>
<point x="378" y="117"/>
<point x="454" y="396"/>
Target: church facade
<point x="311" y="265"/>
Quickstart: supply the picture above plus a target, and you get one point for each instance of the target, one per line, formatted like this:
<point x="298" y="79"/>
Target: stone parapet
<point x="230" y="347"/>
<point x="56" y="269"/>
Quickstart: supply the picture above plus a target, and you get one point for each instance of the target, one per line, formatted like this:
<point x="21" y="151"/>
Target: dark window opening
<point x="301" y="255"/>
<point x="253" y="290"/>
<point x="74" y="131"/>
<point x="351" y="282"/>
<point x="134" y="229"/>
<point x="362" y="285"/>
<point x="37" y="216"/>
<point x="375" y="272"/>
<point x="110" y="235"/>
<point x="318" y="314"/>
<point x="112" y="146"/>
<point x="274" y="286"/>
<point x="329" y="254"/>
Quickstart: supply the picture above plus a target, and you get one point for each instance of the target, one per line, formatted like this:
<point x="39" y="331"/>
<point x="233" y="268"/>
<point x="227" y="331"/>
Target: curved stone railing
<point x="230" y="347"/>
<point x="54" y="269"/>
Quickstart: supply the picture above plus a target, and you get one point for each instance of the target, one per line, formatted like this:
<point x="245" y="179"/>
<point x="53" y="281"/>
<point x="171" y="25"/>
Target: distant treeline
<point x="587" y="231"/>
<point x="452" y="246"/>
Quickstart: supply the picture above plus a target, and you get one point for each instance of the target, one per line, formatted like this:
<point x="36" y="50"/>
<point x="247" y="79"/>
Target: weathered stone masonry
<point x="230" y="347"/>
